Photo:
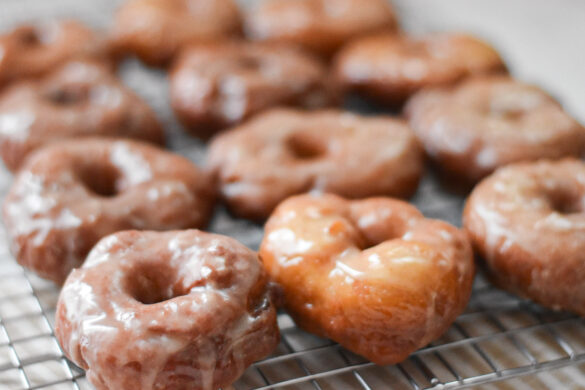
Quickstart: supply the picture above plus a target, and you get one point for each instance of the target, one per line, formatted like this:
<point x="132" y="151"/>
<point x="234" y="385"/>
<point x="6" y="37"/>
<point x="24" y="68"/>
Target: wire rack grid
<point x="498" y="338"/>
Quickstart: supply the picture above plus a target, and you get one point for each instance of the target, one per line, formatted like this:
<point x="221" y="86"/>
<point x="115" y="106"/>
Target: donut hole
<point x="507" y="113"/>
<point x="29" y="37"/>
<point x="565" y="202"/>
<point x="150" y="283"/>
<point x="304" y="146"/>
<point x="248" y="63"/>
<point x="67" y="96"/>
<point x="101" y="180"/>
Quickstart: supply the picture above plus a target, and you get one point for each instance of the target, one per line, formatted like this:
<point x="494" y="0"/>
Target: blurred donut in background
<point x="220" y="85"/>
<point x="321" y="26"/>
<point x="474" y="127"/>
<point x="390" y="68"/>
<point x="154" y="30"/>
<point x="33" y="50"/>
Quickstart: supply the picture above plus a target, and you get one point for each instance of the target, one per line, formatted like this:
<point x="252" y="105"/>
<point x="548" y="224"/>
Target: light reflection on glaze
<point x="53" y="217"/>
<point x="213" y="87"/>
<point x="345" y="161"/>
<point x="377" y="276"/>
<point x="532" y="248"/>
<point x="81" y="98"/>
<point x="484" y="123"/>
<point x="204" y="320"/>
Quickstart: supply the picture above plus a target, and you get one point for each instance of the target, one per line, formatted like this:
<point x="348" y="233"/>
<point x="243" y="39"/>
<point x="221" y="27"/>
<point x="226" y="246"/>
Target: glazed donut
<point x="390" y="68"/>
<point x="33" y="50"/>
<point x="474" y="127"/>
<point x="373" y="275"/>
<point x="321" y="26"/>
<point x="78" y="99"/>
<point x="69" y="195"/>
<point x="213" y="87"/>
<point x="154" y="30"/>
<point x="286" y="152"/>
<point x="173" y="310"/>
<point x="527" y="222"/>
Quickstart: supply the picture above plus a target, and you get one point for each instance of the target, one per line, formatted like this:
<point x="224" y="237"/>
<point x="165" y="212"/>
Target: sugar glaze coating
<point x="483" y="123"/>
<point x="390" y="68"/>
<point x="373" y="275"/>
<point x="287" y="152"/>
<point x="321" y="26"/>
<point x="31" y="51"/>
<point x="78" y="99"/>
<point x="69" y="195"/>
<point x="220" y="85"/>
<point x="179" y="310"/>
<point x="527" y="222"/>
<point x="155" y="30"/>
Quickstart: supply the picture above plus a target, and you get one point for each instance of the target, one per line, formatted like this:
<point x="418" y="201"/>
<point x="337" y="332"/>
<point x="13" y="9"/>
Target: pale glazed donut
<point x="33" y="50"/>
<point x="220" y="85"/>
<point x="286" y="152"/>
<point x="527" y="221"/>
<point x="390" y="68"/>
<point x="321" y="26"/>
<point x="481" y="124"/>
<point x="155" y="30"/>
<point x="78" y="99"/>
<point x="373" y="275"/>
<point x="70" y="194"/>
<point x="180" y="310"/>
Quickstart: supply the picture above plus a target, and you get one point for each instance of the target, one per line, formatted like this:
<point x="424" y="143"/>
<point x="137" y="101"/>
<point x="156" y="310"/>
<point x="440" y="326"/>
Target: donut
<point x="527" y="222"/>
<point x="213" y="87"/>
<point x="390" y="68"/>
<point x="287" y="152"/>
<point x="154" y="30"/>
<point x="171" y="310"/>
<point x="30" y="51"/>
<point x="474" y="127"/>
<point x="321" y="26"/>
<point x="372" y="274"/>
<point x="79" y="99"/>
<point x="69" y="195"/>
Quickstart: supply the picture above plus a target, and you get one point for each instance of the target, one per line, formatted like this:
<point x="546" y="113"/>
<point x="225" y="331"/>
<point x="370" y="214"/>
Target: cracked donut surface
<point x="287" y="152"/>
<point x="373" y="274"/>
<point x="69" y="195"/>
<point x="171" y="310"/>
<point x="527" y="222"/>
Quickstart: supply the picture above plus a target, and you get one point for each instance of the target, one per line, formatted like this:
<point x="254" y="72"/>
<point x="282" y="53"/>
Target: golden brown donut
<point x="180" y="310"/>
<point x="390" y="68"/>
<point x="216" y="86"/>
<point x="33" y="50"/>
<point x="321" y="26"/>
<point x="373" y="275"/>
<point x="154" y="30"/>
<point x="78" y="99"/>
<point x="527" y="221"/>
<point x="474" y="127"/>
<point x="287" y="152"/>
<point x="70" y="194"/>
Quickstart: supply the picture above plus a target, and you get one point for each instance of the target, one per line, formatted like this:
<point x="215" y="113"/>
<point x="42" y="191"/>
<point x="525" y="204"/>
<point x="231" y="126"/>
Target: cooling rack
<point x="497" y="339"/>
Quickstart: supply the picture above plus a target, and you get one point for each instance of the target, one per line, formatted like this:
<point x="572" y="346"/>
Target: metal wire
<point x="483" y="346"/>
